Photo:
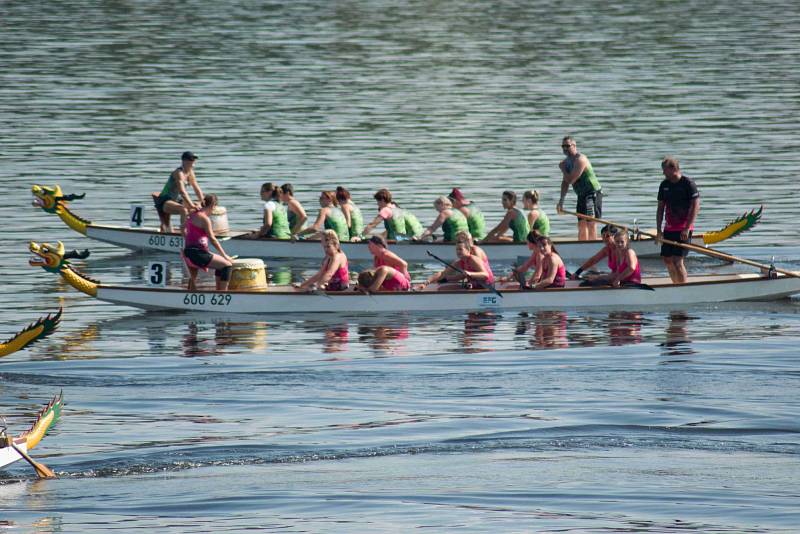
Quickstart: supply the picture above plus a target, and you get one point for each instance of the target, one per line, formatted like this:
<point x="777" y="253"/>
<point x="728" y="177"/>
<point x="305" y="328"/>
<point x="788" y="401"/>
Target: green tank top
<point x="519" y="225"/>
<point x="280" y="223"/>
<point x="396" y="224"/>
<point x="476" y="223"/>
<point x="542" y="223"/>
<point x="335" y="221"/>
<point x="454" y="224"/>
<point x="413" y="226"/>
<point x="356" y="221"/>
<point x="586" y="183"/>
<point x="292" y="216"/>
<point x="170" y="189"/>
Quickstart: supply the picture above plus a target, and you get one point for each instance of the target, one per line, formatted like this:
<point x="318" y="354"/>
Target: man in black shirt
<point x="679" y="199"/>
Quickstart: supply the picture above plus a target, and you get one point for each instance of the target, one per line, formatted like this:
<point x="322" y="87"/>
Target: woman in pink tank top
<point x="472" y="269"/>
<point x="475" y="250"/>
<point x="390" y="271"/>
<point x="196" y="254"/>
<point x="333" y="274"/>
<point x="623" y="262"/>
<point x="551" y="272"/>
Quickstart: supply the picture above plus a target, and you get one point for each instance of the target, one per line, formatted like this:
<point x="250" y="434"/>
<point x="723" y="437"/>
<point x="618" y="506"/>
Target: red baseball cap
<point x="456" y="194"/>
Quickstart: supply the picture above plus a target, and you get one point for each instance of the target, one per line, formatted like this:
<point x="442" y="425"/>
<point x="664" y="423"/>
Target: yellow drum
<point x="248" y="274"/>
<point x="219" y="220"/>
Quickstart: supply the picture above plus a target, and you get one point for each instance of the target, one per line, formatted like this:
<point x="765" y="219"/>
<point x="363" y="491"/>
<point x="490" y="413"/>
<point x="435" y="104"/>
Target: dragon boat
<point x="52" y="200"/>
<point x="32" y="333"/>
<point x="654" y="291"/>
<point x="11" y="446"/>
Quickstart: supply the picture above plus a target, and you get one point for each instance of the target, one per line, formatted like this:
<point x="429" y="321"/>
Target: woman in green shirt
<point x="451" y="220"/>
<point x="514" y="220"/>
<point x="330" y="217"/>
<point x="537" y="219"/>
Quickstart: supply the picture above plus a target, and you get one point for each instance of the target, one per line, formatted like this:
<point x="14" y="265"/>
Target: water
<point x="657" y="420"/>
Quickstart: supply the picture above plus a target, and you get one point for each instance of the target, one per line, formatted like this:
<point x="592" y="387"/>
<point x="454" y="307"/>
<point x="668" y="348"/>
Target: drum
<point x="248" y="274"/>
<point x="219" y="220"/>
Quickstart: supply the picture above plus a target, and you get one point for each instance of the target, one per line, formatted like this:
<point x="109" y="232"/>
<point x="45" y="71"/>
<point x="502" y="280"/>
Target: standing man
<point x="678" y="194"/>
<point x="174" y="199"/>
<point x="576" y="170"/>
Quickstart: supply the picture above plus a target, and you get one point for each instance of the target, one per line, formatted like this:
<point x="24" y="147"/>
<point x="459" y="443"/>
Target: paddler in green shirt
<point x="537" y="219"/>
<point x="352" y="214"/>
<point x="275" y="220"/>
<point x="576" y="170"/>
<point x="330" y="217"/>
<point x="399" y="223"/>
<point x="514" y="220"/>
<point x="451" y="220"/>
<point x="475" y="220"/>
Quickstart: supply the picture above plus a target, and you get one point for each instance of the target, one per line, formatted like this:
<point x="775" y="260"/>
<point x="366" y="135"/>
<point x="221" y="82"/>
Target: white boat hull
<point x="8" y="455"/>
<point x="151" y="239"/>
<point x="716" y="288"/>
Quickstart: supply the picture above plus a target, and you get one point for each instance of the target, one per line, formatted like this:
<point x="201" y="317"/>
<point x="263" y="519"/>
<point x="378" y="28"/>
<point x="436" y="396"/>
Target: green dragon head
<point x="53" y="258"/>
<point x="51" y="199"/>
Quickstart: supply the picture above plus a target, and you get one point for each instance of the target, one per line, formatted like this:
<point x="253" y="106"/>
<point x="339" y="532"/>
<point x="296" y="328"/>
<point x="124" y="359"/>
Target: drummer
<point x="294" y="210"/>
<point x="451" y="220"/>
<point x="390" y="271"/>
<point x="333" y="274"/>
<point x="173" y="199"/>
<point x="330" y="217"/>
<point x="196" y="253"/>
<point x="467" y="267"/>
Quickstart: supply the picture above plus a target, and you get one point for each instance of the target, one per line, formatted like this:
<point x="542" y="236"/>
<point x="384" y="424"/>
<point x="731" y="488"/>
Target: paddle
<point x="481" y="283"/>
<point x="42" y="470"/>
<point x="688" y="246"/>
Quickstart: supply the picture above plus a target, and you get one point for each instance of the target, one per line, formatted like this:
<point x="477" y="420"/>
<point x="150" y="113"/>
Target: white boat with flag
<point x="52" y="200"/>
<point x="435" y="298"/>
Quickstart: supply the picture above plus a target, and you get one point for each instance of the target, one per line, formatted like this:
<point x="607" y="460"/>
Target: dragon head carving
<point x="51" y="199"/>
<point x="53" y="258"/>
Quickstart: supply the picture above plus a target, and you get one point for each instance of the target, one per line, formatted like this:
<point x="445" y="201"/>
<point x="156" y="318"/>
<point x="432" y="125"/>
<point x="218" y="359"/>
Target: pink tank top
<point x="489" y="279"/>
<point x="397" y="282"/>
<point x="195" y="236"/>
<point x="635" y="276"/>
<point x="379" y="262"/>
<point x="340" y="279"/>
<point x="561" y="274"/>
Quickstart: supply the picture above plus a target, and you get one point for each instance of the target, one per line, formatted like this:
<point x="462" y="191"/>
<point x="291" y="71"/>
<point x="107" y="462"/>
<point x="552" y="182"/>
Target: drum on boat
<point x="219" y="220"/>
<point x="248" y="274"/>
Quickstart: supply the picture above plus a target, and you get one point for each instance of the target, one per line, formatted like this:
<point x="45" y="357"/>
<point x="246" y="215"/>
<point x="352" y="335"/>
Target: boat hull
<point x="151" y="239"/>
<point x="702" y="289"/>
<point x="8" y="455"/>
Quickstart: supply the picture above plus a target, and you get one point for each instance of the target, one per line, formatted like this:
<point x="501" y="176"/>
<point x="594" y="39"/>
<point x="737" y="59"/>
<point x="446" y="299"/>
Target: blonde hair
<point x="532" y="195"/>
<point x="443" y="201"/>
<point x="330" y="236"/>
<point x="464" y="237"/>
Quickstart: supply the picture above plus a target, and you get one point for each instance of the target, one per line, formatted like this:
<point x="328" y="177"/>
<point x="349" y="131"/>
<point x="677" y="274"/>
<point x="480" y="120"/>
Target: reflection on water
<point x="677" y="341"/>
<point x="479" y="331"/>
<point x="387" y="340"/>
<point x="624" y="328"/>
<point x="546" y="329"/>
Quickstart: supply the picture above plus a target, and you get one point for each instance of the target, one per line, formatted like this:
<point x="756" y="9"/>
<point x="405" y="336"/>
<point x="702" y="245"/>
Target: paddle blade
<point x="734" y="228"/>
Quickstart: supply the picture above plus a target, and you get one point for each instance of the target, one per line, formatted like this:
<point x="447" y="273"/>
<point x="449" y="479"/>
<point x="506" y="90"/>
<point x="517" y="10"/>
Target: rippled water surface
<point x="565" y="420"/>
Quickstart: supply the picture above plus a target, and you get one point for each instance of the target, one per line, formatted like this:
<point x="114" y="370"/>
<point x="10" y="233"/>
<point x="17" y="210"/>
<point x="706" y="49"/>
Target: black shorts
<point x="591" y="204"/>
<point x="198" y="256"/>
<point x="672" y="250"/>
<point x="160" y="200"/>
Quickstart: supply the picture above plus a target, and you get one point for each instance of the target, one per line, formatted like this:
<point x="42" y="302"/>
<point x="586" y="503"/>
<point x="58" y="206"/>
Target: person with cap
<point x="475" y="220"/>
<point x="173" y="199"/>
<point x="577" y="171"/>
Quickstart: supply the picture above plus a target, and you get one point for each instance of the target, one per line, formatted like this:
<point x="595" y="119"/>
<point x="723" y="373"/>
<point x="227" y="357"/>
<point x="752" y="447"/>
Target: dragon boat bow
<point x="27" y="440"/>
<point x="437" y="298"/>
<point x="52" y="200"/>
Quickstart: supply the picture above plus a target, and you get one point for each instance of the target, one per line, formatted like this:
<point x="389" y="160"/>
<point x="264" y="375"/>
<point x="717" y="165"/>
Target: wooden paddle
<point x="42" y="470"/>
<point x="481" y="283"/>
<point x="688" y="246"/>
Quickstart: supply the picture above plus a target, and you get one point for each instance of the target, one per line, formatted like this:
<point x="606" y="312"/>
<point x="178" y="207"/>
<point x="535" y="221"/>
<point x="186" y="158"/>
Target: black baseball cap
<point x="189" y="155"/>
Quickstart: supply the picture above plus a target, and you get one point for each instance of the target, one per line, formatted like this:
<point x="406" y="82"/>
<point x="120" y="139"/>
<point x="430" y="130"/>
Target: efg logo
<point x="488" y="301"/>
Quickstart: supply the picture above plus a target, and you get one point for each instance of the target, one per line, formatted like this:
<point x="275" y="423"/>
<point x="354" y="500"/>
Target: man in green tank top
<point x="576" y="170"/>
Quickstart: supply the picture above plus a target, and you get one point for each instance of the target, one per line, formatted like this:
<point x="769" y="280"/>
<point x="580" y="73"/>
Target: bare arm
<point x="346" y="211"/>
<point x="659" y="217"/>
<point x="547" y="280"/>
<point x="267" y="223"/>
<point x="205" y="224"/>
<point x="501" y="228"/>
<point x="318" y="224"/>
<point x="181" y="180"/>
<point x="599" y="255"/>
<point x="395" y="261"/>
<point x="192" y="179"/>
<point x="298" y="210"/>
<point x="436" y="224"/>
<point x="375" y="222"/>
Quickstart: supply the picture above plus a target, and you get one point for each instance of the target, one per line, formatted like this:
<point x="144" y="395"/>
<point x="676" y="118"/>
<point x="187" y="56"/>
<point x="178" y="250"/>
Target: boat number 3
<point x="164" y="241"/>
<point x="157" y="274"/>
<point x="196" y="299"/>
<point x="137" y="215"/>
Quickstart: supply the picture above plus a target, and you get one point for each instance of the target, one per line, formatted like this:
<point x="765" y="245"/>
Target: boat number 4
<point x="164" y="241"/>
<point x="137" y="215"/>
<point x="199" y="299"/>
